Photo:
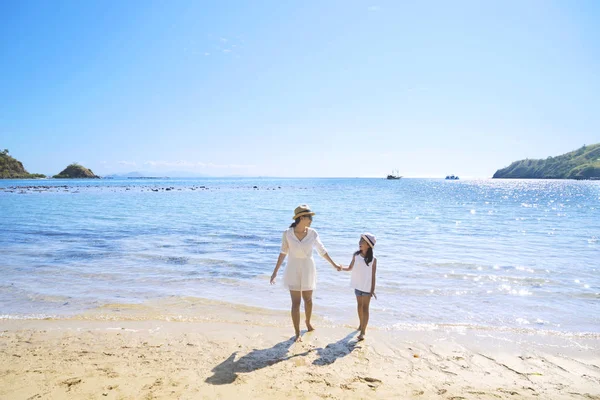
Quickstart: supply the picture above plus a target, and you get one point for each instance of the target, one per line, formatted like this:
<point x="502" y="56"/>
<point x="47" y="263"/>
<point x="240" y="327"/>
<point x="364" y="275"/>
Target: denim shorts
<point x="361" y="293"/>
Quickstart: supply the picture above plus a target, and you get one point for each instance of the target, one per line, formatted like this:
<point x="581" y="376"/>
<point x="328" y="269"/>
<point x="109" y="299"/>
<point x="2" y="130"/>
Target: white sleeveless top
<point x="362" y="274"/>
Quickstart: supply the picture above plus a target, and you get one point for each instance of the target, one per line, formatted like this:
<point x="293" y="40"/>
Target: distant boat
<point x="452" y="177"/>
<point x="394" y="175"/>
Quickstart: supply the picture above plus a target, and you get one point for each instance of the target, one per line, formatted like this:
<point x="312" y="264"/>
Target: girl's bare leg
<point x="359" y="308"/>
<point x="365" y="316"/>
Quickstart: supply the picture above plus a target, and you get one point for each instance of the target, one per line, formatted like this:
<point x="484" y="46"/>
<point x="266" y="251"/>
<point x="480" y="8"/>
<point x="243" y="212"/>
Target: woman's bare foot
<point x="309" y="327"/>
<point x="298" y="338"/>
<point x="361" y="337"/>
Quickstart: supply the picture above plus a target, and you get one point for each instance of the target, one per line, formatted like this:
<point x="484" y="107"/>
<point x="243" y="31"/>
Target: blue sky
<point x="312" y="88"/>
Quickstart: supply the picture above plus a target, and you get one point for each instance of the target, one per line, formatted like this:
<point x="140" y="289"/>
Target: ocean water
<point x="511" y="254"/>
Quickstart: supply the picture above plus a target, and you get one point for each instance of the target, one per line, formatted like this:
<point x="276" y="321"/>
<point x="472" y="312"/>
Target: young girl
<point x="363" y="267"/>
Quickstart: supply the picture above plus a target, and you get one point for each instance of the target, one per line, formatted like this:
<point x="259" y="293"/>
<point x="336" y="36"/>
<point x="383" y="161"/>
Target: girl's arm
<point x="373" y="279"/>
<point x="279" y="262"/>
<point x="351" y="265"/>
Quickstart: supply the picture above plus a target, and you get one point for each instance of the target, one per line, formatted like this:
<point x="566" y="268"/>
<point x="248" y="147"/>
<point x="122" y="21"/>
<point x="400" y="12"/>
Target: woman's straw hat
<point x="302" y="211"/>
<point x="369" y="238"/>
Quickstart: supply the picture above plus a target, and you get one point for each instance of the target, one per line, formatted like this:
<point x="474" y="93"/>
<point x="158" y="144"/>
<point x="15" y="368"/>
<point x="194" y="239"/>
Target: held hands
<point x="339" y="267"/>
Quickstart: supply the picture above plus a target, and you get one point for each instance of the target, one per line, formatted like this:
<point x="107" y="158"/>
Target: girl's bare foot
<point x="309" y="327"/>
<point x="298" y="339"/>
<point x="361" y="337"/>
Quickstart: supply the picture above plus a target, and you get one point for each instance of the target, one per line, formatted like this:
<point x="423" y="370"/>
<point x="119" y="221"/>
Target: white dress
<point x="300" y="271"/>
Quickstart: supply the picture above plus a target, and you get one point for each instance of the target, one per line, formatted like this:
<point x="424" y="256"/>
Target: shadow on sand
<point x="334" y="351"/>
<point x="226" y="372"/>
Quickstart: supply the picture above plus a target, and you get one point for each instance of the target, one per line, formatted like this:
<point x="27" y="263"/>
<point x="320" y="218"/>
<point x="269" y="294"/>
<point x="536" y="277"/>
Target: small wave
<point x="176" y="260"/>
<point x="456" y="265"/>
<point x="404" y="326"/>
<point x="197" y="242"/>
<point x="181" y="260"/>
<point x="83" y="255"/>
<point x="30" y="317"/>
<point x="245" y="237"/>
<point x="47" y="298"/>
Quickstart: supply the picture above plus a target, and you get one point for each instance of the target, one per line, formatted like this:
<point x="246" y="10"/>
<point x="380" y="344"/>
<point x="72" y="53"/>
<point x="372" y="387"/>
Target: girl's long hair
<point x="296" y="222"/>
<point x="368" y="257"/>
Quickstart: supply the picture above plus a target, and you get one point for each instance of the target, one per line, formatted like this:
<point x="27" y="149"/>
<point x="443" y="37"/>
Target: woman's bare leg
<point x="296" y="299"/>
<point x="308" y="304"/>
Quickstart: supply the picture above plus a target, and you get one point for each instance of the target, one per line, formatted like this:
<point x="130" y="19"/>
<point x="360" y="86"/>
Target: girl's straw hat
<point x="369" y="238"/>
<point x="302" y="211"/>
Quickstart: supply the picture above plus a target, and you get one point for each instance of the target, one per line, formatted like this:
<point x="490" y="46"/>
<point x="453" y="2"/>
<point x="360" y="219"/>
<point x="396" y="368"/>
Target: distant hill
<point x="157" y="174"/>
<point x="134" y="174"/>
<point x="583" y="163"/>
<point x="75" y="171"/>
<point x="11" y="168"/>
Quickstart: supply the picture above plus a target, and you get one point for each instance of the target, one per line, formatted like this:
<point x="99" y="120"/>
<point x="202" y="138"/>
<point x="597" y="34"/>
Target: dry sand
<point x="196" y="349"/>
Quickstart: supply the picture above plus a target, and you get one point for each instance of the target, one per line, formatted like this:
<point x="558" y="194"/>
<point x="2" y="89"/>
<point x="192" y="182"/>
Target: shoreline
<point x="198" y="309"/>
<point x="121" y="351"/>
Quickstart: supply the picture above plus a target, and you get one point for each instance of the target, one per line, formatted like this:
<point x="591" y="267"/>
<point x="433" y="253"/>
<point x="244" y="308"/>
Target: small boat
<point x="394" y="175"/>
<point x="452" y="177"/>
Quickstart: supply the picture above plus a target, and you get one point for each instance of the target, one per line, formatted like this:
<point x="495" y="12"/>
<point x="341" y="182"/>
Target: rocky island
<point x="75" y="171"/>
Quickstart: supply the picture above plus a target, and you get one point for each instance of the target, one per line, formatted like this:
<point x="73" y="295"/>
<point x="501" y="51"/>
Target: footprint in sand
<point x="71" y="382"/>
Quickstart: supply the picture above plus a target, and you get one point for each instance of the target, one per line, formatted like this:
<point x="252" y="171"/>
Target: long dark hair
<point x="296" y="222"/>
<point x="368" y="257"/>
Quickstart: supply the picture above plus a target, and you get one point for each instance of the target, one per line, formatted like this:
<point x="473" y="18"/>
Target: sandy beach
<point x="193" y="348"/>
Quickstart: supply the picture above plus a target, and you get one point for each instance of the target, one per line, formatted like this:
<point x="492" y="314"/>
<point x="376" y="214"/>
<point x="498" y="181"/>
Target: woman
<point x="300" y="273"/>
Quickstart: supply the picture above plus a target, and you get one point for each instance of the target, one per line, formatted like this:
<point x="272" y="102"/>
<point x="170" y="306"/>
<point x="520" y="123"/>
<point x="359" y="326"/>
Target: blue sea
<point x="513" y="254"/>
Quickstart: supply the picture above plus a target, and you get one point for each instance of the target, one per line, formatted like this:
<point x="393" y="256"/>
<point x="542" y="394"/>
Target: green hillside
<point x="583" y="163"/>
<point x="11" y="168"/>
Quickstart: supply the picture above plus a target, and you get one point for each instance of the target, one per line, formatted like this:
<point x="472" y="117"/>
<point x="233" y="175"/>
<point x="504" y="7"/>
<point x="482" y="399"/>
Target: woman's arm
<point x="351" y="265"/>
<point x="321" y="250"/>
<point x="279" y="262"/>
<point x="373" y="279"/>
<point x="336" y="266"/>
<point x="285" y="247"/>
